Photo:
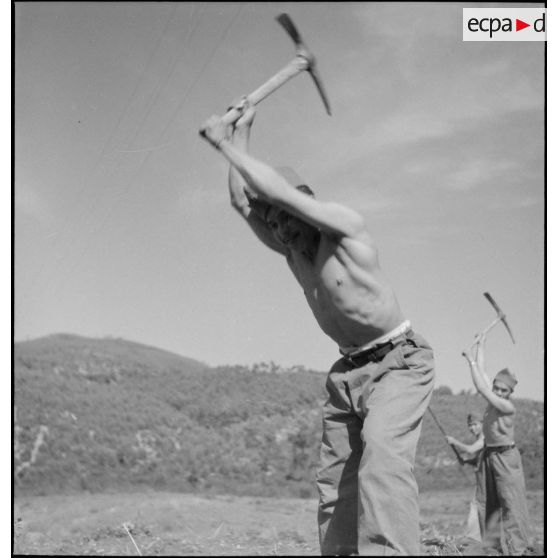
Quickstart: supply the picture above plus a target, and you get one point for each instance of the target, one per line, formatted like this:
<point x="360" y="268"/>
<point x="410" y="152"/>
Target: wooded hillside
<point x="109" y="414"/>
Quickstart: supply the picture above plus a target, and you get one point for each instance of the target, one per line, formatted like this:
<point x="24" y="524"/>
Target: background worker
<point x="379" y="390"/>
<point x="501" y="470"/>
<point x="472" y="456"/>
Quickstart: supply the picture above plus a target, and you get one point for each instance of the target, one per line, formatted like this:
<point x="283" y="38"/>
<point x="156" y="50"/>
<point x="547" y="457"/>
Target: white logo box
<point x="501" y="24"/>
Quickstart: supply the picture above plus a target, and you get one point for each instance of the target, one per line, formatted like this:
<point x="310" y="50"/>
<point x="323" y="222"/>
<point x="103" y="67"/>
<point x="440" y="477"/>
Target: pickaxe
<point x="304" y="60"/>
<point x="458" y="455"/>
<point x="500" y="318"/>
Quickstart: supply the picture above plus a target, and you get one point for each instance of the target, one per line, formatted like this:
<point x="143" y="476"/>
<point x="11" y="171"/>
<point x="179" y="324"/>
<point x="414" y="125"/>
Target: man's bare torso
<point x="326" y="243"/>
<point x="345" y="288"/>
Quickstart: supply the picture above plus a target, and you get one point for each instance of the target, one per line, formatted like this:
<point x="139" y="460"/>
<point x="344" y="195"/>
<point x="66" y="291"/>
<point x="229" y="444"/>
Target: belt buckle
<point x="384" y="349"/>
<point x="353" y="362"/>
<point x="371" y="354"/>
<point x="349" y="359"/>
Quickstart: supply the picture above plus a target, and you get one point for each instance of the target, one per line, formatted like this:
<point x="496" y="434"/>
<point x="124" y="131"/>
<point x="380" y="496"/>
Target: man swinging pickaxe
<point x="304" y="61"/>
<point x="334" y="260"/>
<point x="501" y="317"/>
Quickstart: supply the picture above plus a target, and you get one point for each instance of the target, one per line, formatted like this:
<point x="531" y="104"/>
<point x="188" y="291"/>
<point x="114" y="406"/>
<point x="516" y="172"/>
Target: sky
<point x="122" y="223"/>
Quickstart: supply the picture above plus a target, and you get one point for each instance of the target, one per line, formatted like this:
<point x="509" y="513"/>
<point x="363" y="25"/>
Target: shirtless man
<point x="503" y="501"/>
<point x="379" y="390"/>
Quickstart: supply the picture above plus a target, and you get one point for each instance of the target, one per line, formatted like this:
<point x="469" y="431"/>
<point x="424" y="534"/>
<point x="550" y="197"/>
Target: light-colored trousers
<point x="372" y="421"/>
<point x="503" y="511"/>
<point x="473" y="530"/>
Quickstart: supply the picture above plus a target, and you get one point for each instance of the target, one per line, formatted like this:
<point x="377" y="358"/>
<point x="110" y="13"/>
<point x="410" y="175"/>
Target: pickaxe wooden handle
<point x="304" y="60"/>
<point x="458" y="455"/>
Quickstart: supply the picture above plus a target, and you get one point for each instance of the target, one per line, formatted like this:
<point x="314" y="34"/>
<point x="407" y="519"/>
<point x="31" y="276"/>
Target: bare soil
<point x="163" y="524"/>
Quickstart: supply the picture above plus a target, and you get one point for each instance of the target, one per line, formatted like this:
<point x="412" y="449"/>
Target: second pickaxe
<point x="501" y="317"/>
<point x="457" y="454"/>
<point x="304" y="60"/>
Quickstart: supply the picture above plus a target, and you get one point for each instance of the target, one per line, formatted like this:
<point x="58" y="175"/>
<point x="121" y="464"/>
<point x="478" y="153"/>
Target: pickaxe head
<point x="302" y="51"/>
<point x="501" y="315"/>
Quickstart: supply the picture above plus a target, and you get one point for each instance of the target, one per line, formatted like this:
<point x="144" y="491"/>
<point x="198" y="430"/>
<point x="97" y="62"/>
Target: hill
<point x="108" y="414"/>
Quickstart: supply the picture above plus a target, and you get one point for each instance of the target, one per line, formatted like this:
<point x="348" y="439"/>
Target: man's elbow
<point x="358" y="225"/>
<point x="241" y="206"/>
<point x="237" y="203"/>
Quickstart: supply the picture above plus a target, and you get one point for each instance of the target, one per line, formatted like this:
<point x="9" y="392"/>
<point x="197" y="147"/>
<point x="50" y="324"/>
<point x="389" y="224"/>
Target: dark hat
<point x="506" y="377"/>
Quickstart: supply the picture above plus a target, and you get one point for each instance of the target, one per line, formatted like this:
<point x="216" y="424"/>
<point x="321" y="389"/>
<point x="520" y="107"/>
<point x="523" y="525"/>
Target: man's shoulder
<point x="361" y="245"/>
<point x="505" y="409"/>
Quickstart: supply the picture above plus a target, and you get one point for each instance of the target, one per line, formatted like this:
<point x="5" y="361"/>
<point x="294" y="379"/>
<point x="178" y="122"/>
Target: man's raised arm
<point x="245" y="202"/>
<point x="272" y="188"/>
<point x="237" y="185"/>
<point x="482" y="381"/>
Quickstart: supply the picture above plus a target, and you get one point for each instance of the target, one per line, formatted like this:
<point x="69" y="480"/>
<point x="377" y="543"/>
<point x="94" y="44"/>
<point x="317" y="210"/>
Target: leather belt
<point x="498" y="449"/>
<point x="376" y="354"/>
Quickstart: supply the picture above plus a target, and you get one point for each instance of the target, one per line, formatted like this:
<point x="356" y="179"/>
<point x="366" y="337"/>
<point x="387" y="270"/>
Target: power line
<point x="152" y="101"/>
<point x="73" y="217"/>
<point x="78" y="198"/>
<point x="162" y="85"/>
<point x="145" y="160"/>
<point x="139" y="82"/>
<point x="179" y="108"/>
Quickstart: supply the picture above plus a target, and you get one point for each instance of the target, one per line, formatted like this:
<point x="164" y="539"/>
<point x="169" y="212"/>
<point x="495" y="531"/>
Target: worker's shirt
<point x="497" y="427"/>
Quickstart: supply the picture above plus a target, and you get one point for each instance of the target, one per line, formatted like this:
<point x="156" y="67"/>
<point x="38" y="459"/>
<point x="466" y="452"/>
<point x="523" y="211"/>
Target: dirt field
<point x="160" y="524"/>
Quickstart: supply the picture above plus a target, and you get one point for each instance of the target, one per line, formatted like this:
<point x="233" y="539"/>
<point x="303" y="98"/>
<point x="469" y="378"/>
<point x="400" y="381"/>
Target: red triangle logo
<point x="519" y="25"/>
